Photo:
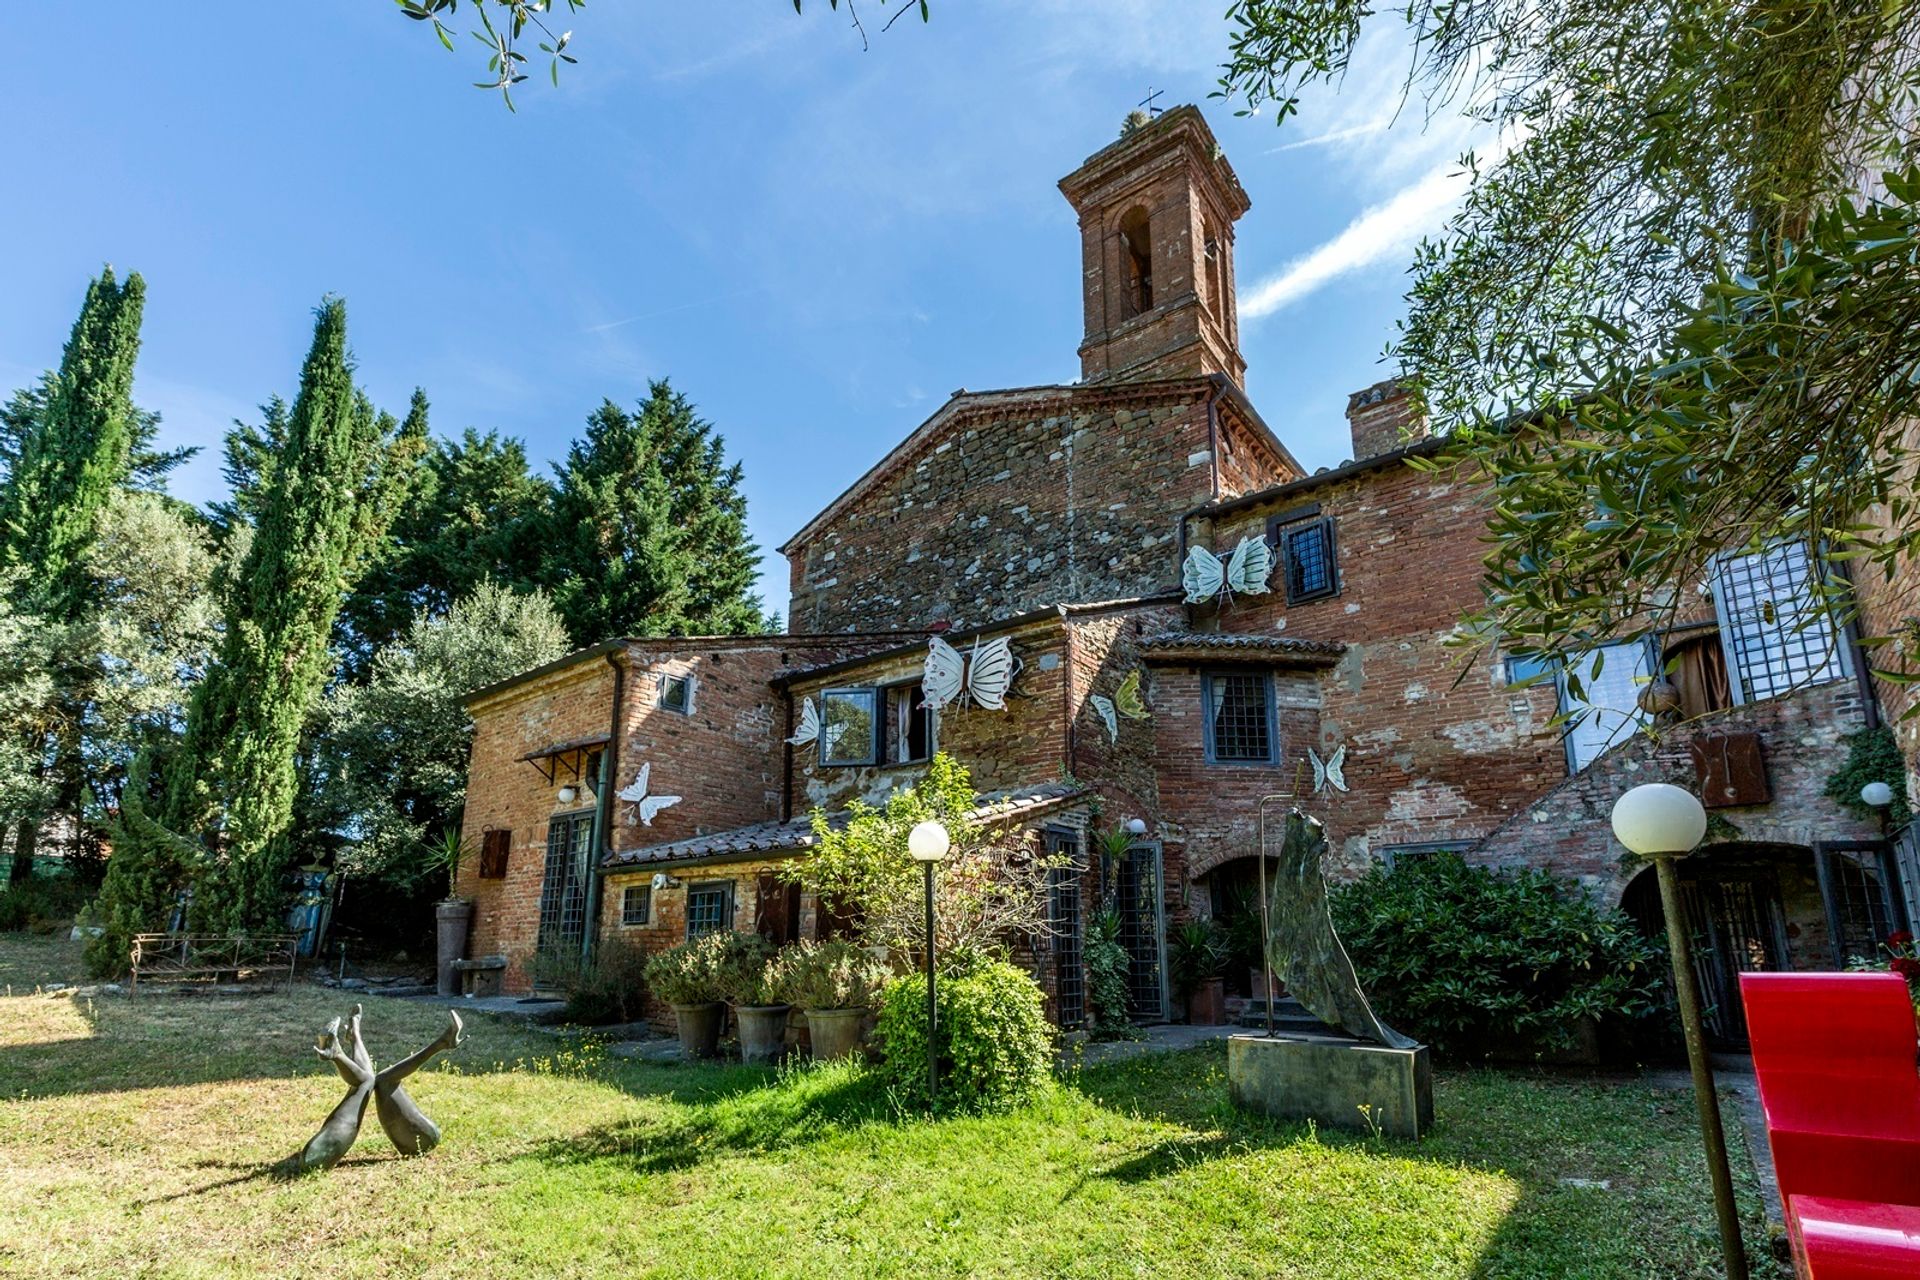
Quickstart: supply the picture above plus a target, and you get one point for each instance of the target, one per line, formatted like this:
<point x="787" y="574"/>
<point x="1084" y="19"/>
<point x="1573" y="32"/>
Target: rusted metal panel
<point x="1731" y="769"/>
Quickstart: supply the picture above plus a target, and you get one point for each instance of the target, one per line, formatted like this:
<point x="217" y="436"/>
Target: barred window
<point x="709" y="908"/>
<point x="1774" y="626"/>
<point x="636" y="904"/>
<point x="1239" y="717"/>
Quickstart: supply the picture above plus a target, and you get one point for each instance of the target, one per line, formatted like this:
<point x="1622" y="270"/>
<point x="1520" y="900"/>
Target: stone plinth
<point x="1328" y="1080"/>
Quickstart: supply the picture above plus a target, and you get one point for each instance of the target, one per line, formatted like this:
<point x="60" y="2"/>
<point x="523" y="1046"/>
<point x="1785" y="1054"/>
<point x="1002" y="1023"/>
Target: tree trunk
<point x="25" y="841"/>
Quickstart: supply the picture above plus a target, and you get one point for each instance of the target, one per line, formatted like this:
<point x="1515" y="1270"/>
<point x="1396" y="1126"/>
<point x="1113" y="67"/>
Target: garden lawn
<point x="135" y="1135"/>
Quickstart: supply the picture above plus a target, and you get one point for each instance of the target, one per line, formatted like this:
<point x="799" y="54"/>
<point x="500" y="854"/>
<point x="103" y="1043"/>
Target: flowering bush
<point x="826" y="975"/>
<point x="1901" y="955"/>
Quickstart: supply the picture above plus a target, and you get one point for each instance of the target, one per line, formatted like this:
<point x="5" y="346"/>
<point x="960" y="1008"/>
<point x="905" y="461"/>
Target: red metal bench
<point x="1834" y="1054"/>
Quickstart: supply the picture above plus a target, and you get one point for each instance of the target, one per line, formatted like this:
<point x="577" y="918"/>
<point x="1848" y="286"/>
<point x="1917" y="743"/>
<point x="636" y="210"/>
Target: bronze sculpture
<point x="1302" y="947"/>
<point x="410" y="1131"/>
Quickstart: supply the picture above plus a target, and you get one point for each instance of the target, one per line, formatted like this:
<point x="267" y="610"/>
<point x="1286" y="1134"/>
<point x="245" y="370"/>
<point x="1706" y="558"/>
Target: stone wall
<point x="1014" y="501"/>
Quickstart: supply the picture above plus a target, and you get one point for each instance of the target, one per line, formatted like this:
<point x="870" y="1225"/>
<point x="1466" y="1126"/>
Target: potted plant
<point x="686" y="977"/>
<point x="1200" y="953"/>
<point x="453" y="915"/>
<point x="743" y="972"/>
<point x="835" y="983"/>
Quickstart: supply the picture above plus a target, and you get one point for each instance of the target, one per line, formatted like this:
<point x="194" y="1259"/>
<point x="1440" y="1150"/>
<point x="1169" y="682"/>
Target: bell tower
<point x="1157" y="210"/>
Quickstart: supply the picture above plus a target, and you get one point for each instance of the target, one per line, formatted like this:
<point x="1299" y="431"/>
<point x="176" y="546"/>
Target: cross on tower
<point x="1147" y="101"/>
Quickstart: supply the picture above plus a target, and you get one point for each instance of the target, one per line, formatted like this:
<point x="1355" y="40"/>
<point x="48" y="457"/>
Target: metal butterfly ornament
<point x="646" y="807"/>
<point x="983" y="676"/>
<point x="1244" y="572"/>
<point x="1330" y="772"/>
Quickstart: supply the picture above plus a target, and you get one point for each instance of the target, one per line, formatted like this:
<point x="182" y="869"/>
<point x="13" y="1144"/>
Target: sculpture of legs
<point x="342" y="1125"/>
<point x="408" y="1128"/>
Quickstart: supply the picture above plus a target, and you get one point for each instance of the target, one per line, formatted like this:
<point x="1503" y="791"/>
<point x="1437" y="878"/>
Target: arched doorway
<point x="1233" y="896"/>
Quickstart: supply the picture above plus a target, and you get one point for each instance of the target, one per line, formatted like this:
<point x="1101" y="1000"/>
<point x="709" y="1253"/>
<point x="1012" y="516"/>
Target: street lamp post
<point x="928" y="843"/>
<point x="1661" y="821"/>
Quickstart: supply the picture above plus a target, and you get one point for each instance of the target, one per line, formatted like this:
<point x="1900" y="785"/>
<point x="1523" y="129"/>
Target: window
<point x="676" y="693"/>
<point x="709" y="908"/>
<point x="849" y="727"/>
<point x="1239" y="717"/>
<point x="1303" y="540"/>
<point x="1136" y="254"/>
<point x="1608" y="706"/>
<point x="636" y="905"/>
<point x="1777" y="635"/>
<point x="563" y="884"/>
<point x="1395" y="854"/>
<point x="1529" y="670"/>
<point x="910" y="725"/>
<point x="1063" y="918"/>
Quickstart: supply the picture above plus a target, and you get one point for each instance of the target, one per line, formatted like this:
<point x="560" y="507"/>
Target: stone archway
<point x="1233" y="900"/>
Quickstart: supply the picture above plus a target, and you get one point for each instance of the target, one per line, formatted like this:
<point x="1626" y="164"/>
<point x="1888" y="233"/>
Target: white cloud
<point x="1388" y="229"/>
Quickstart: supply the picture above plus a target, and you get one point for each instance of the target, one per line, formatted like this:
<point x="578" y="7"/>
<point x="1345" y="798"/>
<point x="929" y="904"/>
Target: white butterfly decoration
<point x="1244" y="572"/>
<point x="1331" y="771"/>
<point x="809" y="725"/>
<point x="984" y="675"/>
<point x="647" y="807"/>
<point x="1104" y="705"/>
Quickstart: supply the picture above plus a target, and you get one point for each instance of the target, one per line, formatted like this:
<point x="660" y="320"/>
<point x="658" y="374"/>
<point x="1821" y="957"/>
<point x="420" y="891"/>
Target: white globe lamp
<point x="929" y="842"/>
<point x="1659" y="818"/>
<point x="1877" y="794"/>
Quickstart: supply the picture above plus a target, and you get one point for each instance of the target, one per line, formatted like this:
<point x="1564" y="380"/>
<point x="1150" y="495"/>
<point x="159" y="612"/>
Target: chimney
<point x="1383" y="418"/>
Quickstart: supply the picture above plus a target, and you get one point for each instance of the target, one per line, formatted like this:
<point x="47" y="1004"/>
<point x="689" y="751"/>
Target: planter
<point x="835" y="1032"/>
<point x="763" y="1031"/>
<point x="1256" y="984"/>
<point x="1207" y="1005"/>
<point x="452" y="919"/>
<point x="699" y="1026"/>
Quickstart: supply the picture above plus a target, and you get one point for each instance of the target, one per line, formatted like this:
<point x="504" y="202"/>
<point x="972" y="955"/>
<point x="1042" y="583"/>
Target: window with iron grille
<point x="636" y="904"/>
<point x="1239" y="717"/>
<point x="563" y="884"/>
<point x="676" y="693"/>
<point x="1307" y="560"/>
<point x="1063" y="919"/>
<point x="1774" y="625"/>
<point x="849" y="726"/>
<point x="1855" y="879"/>
<point x="709" y="908"/>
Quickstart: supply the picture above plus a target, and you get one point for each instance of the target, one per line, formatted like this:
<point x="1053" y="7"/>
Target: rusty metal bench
<point x="187" y="958"/>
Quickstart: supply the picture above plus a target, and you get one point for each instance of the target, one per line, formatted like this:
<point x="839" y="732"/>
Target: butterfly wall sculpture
<point x="1244" y="572"/>
<point x="1330" y="772"/>
<point x="984" y="675"/>
<point x="1126" y="701"/>
<point x="809" y="729"/>
<point x="646" y="807"/>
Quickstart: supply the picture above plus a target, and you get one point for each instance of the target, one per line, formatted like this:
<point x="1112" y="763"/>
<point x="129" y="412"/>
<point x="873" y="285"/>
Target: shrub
<point x="608" y="987"/>
<point x="43" y="904"/>
<point x="1475" y="961"/>
<point x="1107" y="964"/>
<point x="995" y="1046"/>
<point x="826" y="975"/>
<point x="1199" y="953"/>
<point x="741" y="969"/>
<point x="700" y="971"/>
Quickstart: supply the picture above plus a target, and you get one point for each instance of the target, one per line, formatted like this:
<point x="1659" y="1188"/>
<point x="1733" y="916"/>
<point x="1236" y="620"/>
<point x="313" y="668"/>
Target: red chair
<point x="1853" y="1239"/>
<point x="1834" y="1054"/>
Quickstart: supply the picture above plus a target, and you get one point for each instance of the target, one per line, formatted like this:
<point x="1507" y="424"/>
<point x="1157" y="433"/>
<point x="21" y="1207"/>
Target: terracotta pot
<point x="835" y="1032"/>
<point x="452" y="919"/>
<point x="1207" y="1006"/>
<point x="763" y="1031"/>
<point x="699" y="1026"/>
<point x="1256" y="984"/>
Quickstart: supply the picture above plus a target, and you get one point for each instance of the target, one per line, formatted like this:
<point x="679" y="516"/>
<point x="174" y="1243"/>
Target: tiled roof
<point x="1219" y="644"/>
<point x="1013" y="805"/>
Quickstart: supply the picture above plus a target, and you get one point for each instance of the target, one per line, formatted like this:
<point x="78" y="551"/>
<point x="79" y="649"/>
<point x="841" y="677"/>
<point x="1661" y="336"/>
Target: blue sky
<point x="816" y="243"/>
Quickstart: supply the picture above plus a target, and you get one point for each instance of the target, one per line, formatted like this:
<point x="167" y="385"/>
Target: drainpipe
<point x="602" y="841"/>
<point x="1072" y="735"/>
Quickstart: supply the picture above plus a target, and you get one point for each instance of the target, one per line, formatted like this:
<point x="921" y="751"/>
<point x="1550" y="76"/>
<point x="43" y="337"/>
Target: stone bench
<point x="482" y="975"/>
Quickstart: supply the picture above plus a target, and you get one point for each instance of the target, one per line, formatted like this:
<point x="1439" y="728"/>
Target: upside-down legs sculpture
<point x="411" y="1132"/>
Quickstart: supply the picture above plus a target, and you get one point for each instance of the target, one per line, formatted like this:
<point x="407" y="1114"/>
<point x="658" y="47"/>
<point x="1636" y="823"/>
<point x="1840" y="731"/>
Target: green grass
<point x="134" y="1136"/>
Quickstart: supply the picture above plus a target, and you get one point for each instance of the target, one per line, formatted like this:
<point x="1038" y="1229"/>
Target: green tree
<point x="327" y="499"/>
<point x="393" y="751"/>
<point x="477" y="516"/>
<point x="1674" y="313"/>
<point x="648" y="533"/>
<point x="247" y="456"/>
<point x="148" y="465"/>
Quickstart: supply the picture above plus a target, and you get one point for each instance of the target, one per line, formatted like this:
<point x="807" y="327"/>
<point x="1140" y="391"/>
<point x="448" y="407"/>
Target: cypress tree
<point x="648" y="534"/>
<point x="69" y="447"/>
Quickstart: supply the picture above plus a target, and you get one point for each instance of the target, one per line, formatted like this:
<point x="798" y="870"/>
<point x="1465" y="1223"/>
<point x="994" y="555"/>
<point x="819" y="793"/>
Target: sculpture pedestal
<point x="1327" y="1079"/>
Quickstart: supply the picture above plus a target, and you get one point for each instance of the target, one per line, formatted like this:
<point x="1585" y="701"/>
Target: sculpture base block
<point x="1329" y="1080"/>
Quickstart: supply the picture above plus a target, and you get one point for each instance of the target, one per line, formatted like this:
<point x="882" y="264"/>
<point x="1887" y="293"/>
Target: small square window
<point x="709" y="908"/>
<point x="676" y="693"/>
<point x="1529" y="670"/>
<point x="1396" y="854"/>
<point x="1239" y="718"/>
<point x="636" y="905"/>
<point x="1307" y="556"/>
<point x="849" y="726"/>
<point x="910" y="725"/>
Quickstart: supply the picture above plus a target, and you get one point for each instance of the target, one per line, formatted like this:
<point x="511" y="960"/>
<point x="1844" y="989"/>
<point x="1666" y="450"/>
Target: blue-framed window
<point x="1238" y="717"/>
<point x="1303" y="542"/>
<point x="850" y="726"/>
<point x="1530" y="670"/>
<point x="636" y="905"/>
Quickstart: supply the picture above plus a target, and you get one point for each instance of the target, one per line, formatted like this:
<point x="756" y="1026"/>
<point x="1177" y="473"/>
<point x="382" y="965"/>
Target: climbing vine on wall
<point x="1873" y="755"/>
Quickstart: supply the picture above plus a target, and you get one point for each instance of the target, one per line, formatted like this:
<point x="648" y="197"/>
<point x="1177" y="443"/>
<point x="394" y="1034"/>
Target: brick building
<point x="1065" y="533"/>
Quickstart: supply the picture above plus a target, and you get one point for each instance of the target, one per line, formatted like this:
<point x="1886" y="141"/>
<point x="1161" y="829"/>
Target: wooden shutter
<point x="494" y="847"/>
<point x="776" y="915"/>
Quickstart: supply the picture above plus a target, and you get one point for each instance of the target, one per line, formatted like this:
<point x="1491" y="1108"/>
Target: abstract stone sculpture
<point x="408" y="1128"/>
<point x="1302" y="947"/>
